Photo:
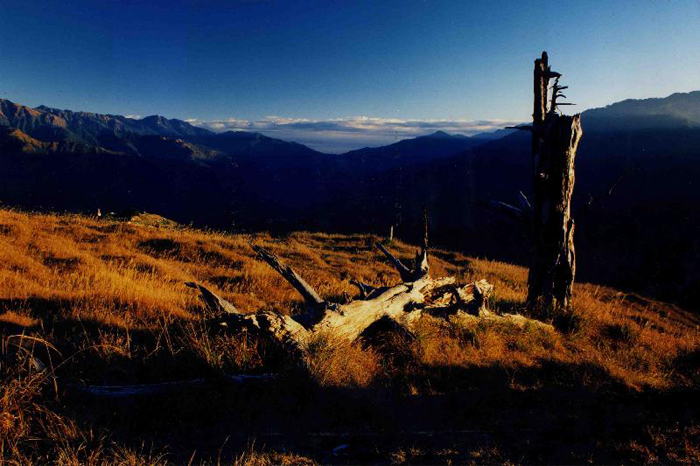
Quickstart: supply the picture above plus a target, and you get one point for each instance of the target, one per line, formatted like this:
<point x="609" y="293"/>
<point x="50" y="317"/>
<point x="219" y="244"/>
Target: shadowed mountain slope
<point x="679" y="109"/>
<point x="635" y="197"/>
<point x="634" y="202"/>
<point x="411" y="151"/>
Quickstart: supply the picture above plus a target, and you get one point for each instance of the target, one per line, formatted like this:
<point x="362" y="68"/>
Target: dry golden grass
<point x="125" y="278"/>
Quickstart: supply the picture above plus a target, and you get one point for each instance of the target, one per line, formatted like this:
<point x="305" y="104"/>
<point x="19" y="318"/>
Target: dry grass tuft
<point x="252" y="456"/>
<point x="341" y="364"/>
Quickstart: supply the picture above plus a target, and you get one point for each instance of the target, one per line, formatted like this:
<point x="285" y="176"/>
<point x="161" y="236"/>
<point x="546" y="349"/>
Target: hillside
<point x="637" y="167"/>
<point x="676" y="110"/>
<point x="634" y="201"/>
<point x="103" y="302"/>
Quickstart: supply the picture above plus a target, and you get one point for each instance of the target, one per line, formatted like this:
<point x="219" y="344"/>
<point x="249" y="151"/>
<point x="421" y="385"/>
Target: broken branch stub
<point x="216" y="304"/>
<point x="309" y="294"/>
<point x="405" y="273"/>
<point x="421" y="267"/>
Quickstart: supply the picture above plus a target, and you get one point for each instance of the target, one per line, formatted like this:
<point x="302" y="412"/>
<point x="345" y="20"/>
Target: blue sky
<point x="262" y="64"/>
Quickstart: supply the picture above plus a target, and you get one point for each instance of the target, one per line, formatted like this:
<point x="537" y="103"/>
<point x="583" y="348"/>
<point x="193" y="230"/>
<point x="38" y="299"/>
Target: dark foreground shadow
<point x="473" y="416"/>
<point x="553" y="413"/>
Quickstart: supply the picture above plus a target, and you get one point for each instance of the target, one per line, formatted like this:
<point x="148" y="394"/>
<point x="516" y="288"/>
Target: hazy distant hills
<point x="150" y="136"/>
<point x="635" y="200"/>
<point x="675" y="111"/>
<point x="412" y="151"/>
<point x="183" y="171"/>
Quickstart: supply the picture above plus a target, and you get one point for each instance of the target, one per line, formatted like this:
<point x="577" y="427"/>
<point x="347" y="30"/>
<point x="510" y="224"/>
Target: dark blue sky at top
<point x="213" y="60"/>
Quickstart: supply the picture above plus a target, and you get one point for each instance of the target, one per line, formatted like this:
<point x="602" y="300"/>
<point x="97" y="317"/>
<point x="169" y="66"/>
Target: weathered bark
<point x="404" y="304"/>
<point x="216" y="305"/>
<point x="472" y="297"/>
<point x="366" y="290"/>
<point x="555" y="139"/>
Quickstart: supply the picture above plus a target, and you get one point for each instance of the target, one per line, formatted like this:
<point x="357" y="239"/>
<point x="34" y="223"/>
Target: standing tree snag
<point x="421" y="267"/>
<point x="555" y="138"/>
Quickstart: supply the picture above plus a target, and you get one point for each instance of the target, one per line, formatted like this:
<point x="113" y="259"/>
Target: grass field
<point x="104" y="302"/>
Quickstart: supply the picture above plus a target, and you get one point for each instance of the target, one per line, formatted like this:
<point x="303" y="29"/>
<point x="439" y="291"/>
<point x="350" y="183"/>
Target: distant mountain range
<point x="422" y="149"/>
<point x="681" y="110"/>
<point x="153" y="136"/>
<point x="635" y="201"/>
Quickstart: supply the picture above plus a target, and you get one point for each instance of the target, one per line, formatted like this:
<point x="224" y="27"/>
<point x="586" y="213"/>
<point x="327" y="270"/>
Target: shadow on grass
<point x="508" y="306"/>
<point x="94" y="352"/>
<point x="553" y="412"/>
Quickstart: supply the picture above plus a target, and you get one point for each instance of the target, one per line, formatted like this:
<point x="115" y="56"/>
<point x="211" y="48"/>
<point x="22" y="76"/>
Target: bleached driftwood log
<point x="402" y="305"/>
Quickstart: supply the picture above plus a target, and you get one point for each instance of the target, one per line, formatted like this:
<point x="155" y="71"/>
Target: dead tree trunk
<point x="555" y="138"/>
<point x="419" y="295"/>
<point x="402" y="305"/>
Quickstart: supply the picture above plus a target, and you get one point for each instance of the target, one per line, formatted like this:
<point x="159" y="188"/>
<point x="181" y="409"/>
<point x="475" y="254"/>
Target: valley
<point x="636" y="173"/>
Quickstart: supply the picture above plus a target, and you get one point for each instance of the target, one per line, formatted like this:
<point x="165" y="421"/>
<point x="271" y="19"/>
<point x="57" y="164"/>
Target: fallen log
<point x="402" y="305"/>
<point x="215" y="304"/>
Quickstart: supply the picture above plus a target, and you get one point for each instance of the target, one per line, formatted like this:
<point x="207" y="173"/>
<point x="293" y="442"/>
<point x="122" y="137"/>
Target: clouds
<point x="342" y="134"/>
